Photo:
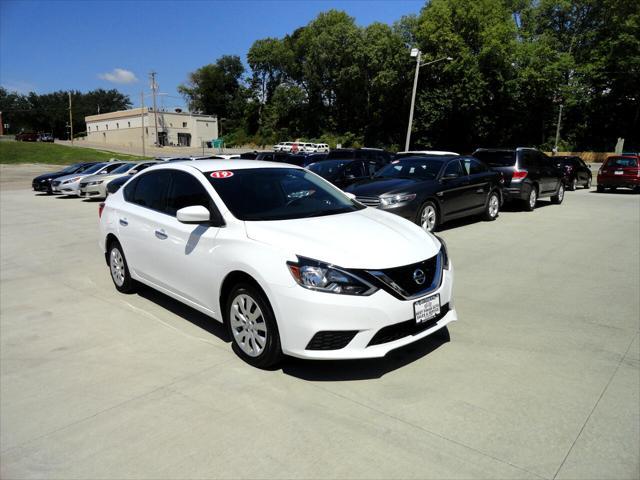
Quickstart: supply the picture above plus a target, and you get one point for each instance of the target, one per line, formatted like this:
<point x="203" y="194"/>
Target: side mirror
<point x="350" y="195"/>
<point x="193" y="214"/>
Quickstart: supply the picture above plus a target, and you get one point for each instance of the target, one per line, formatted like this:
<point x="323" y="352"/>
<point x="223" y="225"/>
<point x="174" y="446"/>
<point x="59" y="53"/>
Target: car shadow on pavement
<point x="619" y="191"/>
<point x="349" y="370"/>
<point x="189" y="314"/>
<point x="518" y="207"/>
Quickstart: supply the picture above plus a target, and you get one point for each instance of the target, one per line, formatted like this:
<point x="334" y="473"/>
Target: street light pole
<point x="418" y="54"/>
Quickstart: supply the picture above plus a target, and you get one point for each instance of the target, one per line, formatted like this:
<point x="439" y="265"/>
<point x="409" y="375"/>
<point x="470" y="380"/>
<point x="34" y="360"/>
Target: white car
<point x="95" y="186"/>
<point x="283" y="147"/>
<point x="321" y="147"/>
<point x="425" y="152"/>
<point x="291" y="264"/>
<point x="70" y="184"/>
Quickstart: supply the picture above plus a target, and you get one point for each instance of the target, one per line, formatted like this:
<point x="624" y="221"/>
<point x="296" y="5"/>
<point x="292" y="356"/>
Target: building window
<point x="117" y="125"/>
<point x="97" y="127"/>
<point x="107" y="125"/>
<point x="146" y="130"/>
<point x="184" y="124"/>
<point x="171" y="124"/>
<point x="128" y="124"/>
<point x="207" y="124"/>
<point x="88" y="129"/>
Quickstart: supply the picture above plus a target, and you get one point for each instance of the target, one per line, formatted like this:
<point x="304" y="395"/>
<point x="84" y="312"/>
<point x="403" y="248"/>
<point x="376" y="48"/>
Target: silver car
<point x="70" y="184"/>
<point x="95" y="186"/>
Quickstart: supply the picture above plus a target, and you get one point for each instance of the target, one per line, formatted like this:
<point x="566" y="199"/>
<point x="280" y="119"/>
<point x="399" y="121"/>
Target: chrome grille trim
<point x="369" y="201"/>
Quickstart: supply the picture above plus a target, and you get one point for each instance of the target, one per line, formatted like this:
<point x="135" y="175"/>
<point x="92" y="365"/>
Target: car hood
<point x="73" y="175"/>
<point x="379" y="186"/>
<point x="367" y="238"/>
<point x="104" y="178"/>
<point x="44" y="176"/>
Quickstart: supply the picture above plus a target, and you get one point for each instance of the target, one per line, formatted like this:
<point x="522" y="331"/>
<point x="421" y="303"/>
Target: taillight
<point x="519" y="175"/>
<point x="100" y="209"/>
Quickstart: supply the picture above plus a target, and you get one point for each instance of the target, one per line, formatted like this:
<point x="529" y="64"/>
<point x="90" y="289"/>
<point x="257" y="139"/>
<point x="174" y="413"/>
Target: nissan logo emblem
<point x="419" y="276"/>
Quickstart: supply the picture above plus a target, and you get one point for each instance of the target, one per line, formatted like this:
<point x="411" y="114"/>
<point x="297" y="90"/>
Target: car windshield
<point x="71" y="168"/>
<point x="278" y="194"/>
<point x="622" y="162"/>
<point x="423" y="168"/>
<point x="124" y="168"/>
<point x="497" y="158"/>
<point x="327" y="168"/>
<point x="94" y="168"/>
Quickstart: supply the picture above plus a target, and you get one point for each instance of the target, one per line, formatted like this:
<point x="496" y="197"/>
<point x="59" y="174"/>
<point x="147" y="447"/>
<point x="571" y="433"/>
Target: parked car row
<point x="258" y="244"/>
<point x="302" y="147"/>
<point x="34" y="137"/>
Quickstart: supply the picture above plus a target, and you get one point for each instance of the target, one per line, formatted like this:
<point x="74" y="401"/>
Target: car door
<point x="479" y="182"/>
<point x="550" y="174"/>
<point x="188" y="251"/>
<point x="454" y="189"/>
<point x="143" y="209"/>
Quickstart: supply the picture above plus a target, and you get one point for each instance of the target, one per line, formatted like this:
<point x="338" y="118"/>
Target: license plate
<point x="619" y="172"/>
<point x="427" y="308"/>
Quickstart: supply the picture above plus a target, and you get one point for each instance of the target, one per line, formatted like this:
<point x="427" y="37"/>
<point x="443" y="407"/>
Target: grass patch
<point x="27" y="152"/>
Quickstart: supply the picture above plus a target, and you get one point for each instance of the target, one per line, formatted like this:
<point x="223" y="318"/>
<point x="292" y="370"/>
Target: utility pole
<point x="70" y="120"/>
<point x="154" y="88"/>
<point x="142" y="121"/>
<point x="1" y="125"/>
<point x="413" y="100"/>
<point x="558" y="129"/>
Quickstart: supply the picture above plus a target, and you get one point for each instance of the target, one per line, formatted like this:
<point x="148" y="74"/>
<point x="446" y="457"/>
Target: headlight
<point x="323" y="277"/>
<point x="95" y="183"/>
<point x="445" y="253"/>
<point x="71" y="180"/>
<point x="398" y="198"/>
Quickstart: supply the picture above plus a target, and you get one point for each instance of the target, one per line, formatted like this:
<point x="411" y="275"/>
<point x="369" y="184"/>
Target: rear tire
<point x="492" y="209"/>
<point x="588" y="184"/>
<point x="559" y="197"/>
<point x="252" y="326"/>
<point x="119" y="269"/>
<point x="530" y="203"/>
<point x="573" y="185"/>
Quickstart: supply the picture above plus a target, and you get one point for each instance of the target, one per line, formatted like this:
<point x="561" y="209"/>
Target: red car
<point x="620" y="171"/>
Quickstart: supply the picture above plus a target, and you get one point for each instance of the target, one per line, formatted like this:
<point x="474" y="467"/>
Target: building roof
<point x="136" y="112"/>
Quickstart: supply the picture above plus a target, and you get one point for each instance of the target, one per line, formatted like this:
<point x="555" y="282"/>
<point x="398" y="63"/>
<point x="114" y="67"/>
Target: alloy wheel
<point x="589" y="180"/>
<point x="574" y="184"/>
<point x="533" y="198"/>
<point x="560" y="193"/>
<point x="494" y="205"/>
<point x="248" y="325"/>
<point x="428" y="218"/>
<point x="116" y="264"/>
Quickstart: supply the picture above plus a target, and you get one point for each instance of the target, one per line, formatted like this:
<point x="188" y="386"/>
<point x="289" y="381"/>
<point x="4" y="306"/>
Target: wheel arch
<point x="110" y="238"/>
<point x="232" y="279"/>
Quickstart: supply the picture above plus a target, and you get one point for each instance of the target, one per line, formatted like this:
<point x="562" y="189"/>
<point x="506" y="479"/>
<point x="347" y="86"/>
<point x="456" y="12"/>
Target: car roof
<point x="429" y="152"/>
<point x="233" y="164"/>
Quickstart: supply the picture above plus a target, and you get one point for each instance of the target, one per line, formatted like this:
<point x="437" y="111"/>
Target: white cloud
<point x="119" y="75"/>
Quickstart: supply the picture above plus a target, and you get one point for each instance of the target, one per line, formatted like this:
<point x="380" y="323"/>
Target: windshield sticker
<point x="222" y="174"/>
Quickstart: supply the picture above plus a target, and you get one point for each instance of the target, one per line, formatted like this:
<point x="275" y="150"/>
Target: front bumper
<point x="69" y="189"/>
<point x="41" y="186"/>
<point x="302" y="313"/>
<point x="93" y="191"/>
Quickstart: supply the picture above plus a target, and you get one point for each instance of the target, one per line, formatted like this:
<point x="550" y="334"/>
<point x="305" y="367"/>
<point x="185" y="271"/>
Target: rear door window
<point x="453" y="169"/>
<point x="354" y="169"/>
<point x="150" y="190"/>
<point x="497" y="158"/>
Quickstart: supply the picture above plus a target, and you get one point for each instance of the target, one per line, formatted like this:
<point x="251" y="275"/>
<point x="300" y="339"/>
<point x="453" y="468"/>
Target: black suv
<point x="528" y="174"/>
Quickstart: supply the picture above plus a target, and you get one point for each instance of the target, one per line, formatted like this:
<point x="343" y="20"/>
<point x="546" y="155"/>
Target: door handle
<point x="161" y="234"/>
<point x="123" y="222"/>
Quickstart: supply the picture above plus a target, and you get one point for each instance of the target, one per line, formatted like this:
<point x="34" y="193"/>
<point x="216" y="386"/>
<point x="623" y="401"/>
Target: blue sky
<point x="62" y="45"/>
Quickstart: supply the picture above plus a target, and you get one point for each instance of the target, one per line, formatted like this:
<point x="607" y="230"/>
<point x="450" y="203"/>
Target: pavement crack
<point x="426" y="430"/>
<point x="606" y="387"/>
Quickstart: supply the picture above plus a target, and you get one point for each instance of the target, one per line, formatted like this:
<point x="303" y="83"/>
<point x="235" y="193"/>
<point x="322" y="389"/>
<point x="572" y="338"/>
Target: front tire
<point x="252" y="326"/>
<point x="573" y="185"/>
<point x="428" y="217"/>
<point x="119" y="269"/>
<point x="492" y="209"/>
<point x="559" y="196"/>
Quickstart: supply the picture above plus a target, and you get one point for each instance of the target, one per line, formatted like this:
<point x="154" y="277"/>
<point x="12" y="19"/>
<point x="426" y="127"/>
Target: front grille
<point x="56" y="183"/>
<point x="401" y="281"/>
<point x="331" y="340"/>
<point x="369" y="201"/>
<point x="405" y="329"/>
<point x="82" y="185"/>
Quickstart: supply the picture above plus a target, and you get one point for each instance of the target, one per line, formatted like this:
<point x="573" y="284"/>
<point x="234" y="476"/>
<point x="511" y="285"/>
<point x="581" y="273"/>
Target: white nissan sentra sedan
<point x="291" y="264"/>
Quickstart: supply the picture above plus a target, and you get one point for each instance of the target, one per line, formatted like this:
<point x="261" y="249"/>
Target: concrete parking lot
<point x="540" y="377"/>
